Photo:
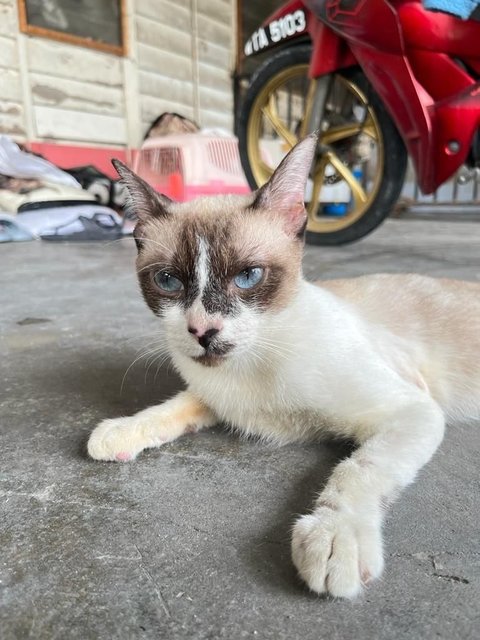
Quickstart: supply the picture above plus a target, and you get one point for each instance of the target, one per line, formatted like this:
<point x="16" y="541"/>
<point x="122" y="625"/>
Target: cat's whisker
<point x="278" y="344"/>
<point x="149" y="266"/>
<point x="155" y="359"/>
<point x="271" y="351"/>
<point x="170" y="366"/>
<point x="153" y="356"/>
<point x="273" y="343"/>
<point x="128" y="369"/>
<point x="157" y="242"/>
<point x="151" y="350"/>
<point x="275" y="349"/>
<point x="107" y="243"/>
<point x="154" y="353"/>
<point x="151" y="359"/>
<point x="258" y="358"/>
<point x="148" y="351"/>
<point x="152" y="334"/>
<point x="160" y="364"/>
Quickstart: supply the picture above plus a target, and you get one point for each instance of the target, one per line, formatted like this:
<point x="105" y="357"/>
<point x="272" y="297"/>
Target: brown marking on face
<point x="237" y="237"/>
<point x="209" y="360"/>
<point x="262" y="235"/>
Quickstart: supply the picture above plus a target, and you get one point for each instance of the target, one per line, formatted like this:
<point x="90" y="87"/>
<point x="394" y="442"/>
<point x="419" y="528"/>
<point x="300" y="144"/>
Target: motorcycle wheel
<point x="360" y="151"/>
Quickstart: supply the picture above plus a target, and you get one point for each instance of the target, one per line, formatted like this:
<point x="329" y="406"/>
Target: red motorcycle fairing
<point x="437" y="115"/>
<point x="330" y="52"/>
<point x="441" y="32"/>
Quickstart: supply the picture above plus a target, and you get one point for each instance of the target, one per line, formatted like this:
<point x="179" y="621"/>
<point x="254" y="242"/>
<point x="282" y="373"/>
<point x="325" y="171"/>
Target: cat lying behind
<point x="383" y="360"/>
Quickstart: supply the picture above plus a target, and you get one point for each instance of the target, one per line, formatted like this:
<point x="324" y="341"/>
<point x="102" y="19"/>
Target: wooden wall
<point x="185" y="57"/>
<point x="216" y="52"/>
<point x="12" y="117"/>
<point x="180" y="58"/>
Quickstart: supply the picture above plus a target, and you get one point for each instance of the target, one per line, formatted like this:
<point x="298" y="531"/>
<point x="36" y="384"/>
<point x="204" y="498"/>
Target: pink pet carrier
<point x="187" y="165"/>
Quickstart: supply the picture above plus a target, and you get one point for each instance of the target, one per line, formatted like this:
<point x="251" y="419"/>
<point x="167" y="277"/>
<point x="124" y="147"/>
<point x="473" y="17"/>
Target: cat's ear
<point x="285" y="191"/>
<point x="143" y="201"/>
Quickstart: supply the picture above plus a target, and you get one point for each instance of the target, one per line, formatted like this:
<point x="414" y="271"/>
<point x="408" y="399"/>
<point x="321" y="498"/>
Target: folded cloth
<point x="460" y="8"/>
<point x="82" y="221"/>
<point x="12" y="231"/>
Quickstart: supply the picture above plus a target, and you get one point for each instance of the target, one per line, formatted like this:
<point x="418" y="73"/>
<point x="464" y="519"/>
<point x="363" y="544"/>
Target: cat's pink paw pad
<point x="123" y="456"/>
<point x="365" y="576"/>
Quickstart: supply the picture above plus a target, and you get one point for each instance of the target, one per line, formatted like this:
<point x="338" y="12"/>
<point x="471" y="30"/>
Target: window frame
<point x="61" y="36"/>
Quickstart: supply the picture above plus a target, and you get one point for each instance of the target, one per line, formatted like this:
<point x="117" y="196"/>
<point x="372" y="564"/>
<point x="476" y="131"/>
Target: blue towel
<point x="460" y="8"/>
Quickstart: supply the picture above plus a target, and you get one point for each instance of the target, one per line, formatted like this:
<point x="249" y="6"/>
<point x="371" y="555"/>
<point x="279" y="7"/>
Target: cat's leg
<point x="122" y="439"/>
<point x="338" y="547"/>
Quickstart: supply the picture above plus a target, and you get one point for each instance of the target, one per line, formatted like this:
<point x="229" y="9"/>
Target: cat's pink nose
<point x="204" y="337"/>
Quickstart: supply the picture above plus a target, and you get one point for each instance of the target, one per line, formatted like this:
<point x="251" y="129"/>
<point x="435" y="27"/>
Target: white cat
<point x="384" y="359"/>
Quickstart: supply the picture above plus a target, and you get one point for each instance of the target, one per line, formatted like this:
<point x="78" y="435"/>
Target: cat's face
<point x="217" y="270"/>
<point x="214" y="270"/>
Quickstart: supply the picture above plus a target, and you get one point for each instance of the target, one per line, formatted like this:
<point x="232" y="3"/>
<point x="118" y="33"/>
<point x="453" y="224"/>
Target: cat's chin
<point x="209" y="360"/>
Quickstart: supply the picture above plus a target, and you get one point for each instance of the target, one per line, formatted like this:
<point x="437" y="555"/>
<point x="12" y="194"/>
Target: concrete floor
<point x="192" y="541"/>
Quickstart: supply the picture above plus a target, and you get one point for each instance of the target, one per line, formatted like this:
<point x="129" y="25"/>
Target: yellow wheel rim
<point x="277" y="121"/>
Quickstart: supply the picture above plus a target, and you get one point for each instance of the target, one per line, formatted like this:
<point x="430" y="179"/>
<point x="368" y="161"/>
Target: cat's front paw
<point x="336" y="553"/>
<point x="119" y="439"/>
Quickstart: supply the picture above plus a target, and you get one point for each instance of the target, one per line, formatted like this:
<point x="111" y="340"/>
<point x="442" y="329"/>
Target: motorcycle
<point x="379" y="81"/>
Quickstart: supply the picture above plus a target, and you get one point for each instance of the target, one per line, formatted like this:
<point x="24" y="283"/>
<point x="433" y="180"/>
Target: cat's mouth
<point x="214" y="355"/>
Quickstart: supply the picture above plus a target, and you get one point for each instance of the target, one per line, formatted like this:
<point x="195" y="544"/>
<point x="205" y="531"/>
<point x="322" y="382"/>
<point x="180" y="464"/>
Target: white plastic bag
<point x="18" y="164"/>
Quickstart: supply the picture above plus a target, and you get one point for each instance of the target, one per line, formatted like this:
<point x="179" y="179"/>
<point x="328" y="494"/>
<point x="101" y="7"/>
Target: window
<point x="98" y="24"/>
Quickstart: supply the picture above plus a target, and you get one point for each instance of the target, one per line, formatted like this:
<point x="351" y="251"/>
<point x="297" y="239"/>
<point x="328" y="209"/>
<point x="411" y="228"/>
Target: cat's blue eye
<point x="168" y="283"/>
<point x="249" y="277"/>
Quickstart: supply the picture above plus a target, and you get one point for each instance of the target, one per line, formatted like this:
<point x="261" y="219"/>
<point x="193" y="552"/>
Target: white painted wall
<point x="180" y="58"/>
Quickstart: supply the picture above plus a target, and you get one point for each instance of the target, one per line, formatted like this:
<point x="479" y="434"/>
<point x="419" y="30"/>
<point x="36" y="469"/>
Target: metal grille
<point x="224" y="155"/>
<point x="162" y="161"/>
<point x="449" y="193"/>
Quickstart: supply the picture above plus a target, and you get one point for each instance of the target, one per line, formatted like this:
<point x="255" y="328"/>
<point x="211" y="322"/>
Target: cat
<point x="170" y="123"/>
<point x="383" y="360"/>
